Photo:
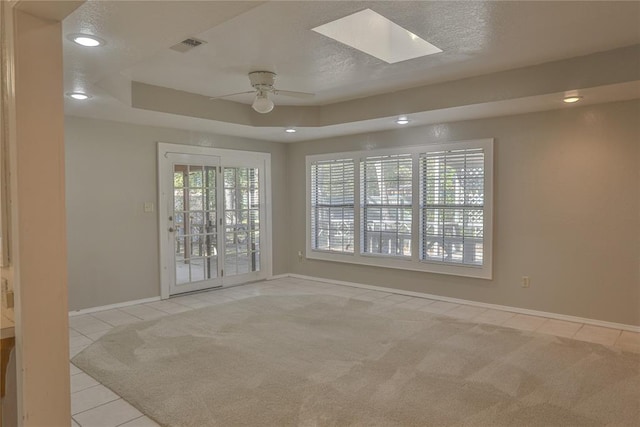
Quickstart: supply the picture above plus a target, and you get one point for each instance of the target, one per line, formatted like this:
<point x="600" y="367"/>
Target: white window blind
<point x="386" y="199"/>
<point x="452" y="206"/>
<point x="332" y="205"/>
<point x="423" y="208"/>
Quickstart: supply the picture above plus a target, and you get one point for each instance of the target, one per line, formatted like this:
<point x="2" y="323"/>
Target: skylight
<point x="375" y="35"/>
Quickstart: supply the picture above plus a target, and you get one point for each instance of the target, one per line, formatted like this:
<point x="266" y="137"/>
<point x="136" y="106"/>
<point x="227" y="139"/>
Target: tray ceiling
<point x="477" y="38"/>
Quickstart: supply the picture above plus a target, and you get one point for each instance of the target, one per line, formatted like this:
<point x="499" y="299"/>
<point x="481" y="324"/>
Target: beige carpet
<point x="329" y="361"/>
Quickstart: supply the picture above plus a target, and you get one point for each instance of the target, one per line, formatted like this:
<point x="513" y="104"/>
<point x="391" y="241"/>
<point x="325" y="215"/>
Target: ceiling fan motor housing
<point x="262" y="80"/>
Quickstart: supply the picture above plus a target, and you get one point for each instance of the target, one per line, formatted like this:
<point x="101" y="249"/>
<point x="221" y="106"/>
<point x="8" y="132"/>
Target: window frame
<point x="311" y="206"/>
<point x="413" y="262"/>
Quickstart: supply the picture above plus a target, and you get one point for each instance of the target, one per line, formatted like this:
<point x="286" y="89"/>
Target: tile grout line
<point x="133" y="419"/>
<point x="579" y="329"/>
<point x="89" y="338"/>
<point x="116" y="309"/>
<point x="618" y="338"/>
<point x="103" y="404"/>
<point x="84" y="389"/>
<point x="146" y="304"/>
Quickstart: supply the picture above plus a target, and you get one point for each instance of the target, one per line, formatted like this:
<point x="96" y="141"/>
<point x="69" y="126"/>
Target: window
<point x="425" y="208"/>
<point x="332" y="206"/>
<point x="386" y="205"/>
<point x="452" y="206"/>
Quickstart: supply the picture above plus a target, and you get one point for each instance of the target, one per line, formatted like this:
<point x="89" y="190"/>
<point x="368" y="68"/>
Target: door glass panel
<point x="210" y="202"/>
<point x="178" y="175"/>
<point x="197" y="222"/>
<point x="195" y="199"/>
<point x="197" y="269"/>
<point x="243" y="263"/>
<point x="178" y="200"/>
<point x="241" y="220"/>
<point x="195" y="176"/>
<point x="194" y="223"/>
<point x="196" y="245"/>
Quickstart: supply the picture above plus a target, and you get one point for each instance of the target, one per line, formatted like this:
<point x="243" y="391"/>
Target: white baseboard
<point x="595" y="322"/>
<point x="585" y="320"/>
<point x="113" y="306"/>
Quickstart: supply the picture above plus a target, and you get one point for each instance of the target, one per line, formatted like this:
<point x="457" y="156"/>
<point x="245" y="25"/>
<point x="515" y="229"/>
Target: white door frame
<point x="228" y="158"/>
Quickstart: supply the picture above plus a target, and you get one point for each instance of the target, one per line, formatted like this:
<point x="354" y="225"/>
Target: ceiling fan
<point x="262" y="83"/>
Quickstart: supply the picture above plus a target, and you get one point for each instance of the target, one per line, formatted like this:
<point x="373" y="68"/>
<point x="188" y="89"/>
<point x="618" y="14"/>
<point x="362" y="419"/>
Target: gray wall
<point x="567" y="210"/>
<point x="567" y="191"/>
<point x="111" y="170"/>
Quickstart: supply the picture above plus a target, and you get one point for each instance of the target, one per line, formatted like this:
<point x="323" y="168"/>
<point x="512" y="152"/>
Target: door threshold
<point x="199" y="291"/>
<point x="215" y="288"/>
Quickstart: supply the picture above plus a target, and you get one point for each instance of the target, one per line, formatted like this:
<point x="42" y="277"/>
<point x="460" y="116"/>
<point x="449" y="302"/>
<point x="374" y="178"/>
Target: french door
<point x="213" y="230"/>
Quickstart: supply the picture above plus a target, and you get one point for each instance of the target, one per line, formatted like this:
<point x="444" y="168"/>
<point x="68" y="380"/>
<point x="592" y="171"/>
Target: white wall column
<point x="38" y="217"/>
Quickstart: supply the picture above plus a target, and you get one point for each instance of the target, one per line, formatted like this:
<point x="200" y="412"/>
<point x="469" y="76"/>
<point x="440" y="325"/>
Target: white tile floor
<point x="93" y="405"/>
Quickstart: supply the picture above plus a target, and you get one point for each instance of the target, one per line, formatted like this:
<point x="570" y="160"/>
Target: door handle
<point x="171" y="229"/>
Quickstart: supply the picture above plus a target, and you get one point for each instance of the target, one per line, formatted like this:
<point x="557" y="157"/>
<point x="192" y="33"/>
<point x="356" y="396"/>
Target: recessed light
<point x="86" y="40"/>
<point x="402" y="120"/>
<point x="572" y="99"/>
<point x="290" y="130"/>
<point x="80" y="96"/>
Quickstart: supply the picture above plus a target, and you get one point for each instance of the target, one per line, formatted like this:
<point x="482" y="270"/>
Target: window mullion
<point x="415" y="208"/>
<point x="357" y="233"/>
<point x="314" y="224"/>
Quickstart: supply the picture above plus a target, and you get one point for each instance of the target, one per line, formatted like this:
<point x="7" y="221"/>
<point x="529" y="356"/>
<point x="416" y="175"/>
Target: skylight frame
<point x="376" y="35"/>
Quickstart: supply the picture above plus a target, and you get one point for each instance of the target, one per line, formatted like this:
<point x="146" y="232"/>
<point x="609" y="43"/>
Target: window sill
<point x="403" y="264"/>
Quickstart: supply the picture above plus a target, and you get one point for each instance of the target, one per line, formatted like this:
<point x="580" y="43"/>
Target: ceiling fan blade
<point x="293" y="94"/>
<point x="232" y="94"/>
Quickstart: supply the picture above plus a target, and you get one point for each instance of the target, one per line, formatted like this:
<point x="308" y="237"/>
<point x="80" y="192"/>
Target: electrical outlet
<point x="300" y="255"/>
<point x="525" y="281"/>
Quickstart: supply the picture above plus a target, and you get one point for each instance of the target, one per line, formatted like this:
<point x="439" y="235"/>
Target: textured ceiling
<point x="477" y="38"/>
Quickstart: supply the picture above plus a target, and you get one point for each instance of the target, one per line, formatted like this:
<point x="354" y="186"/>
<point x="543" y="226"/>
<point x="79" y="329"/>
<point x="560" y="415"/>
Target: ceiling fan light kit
<point x="262" y="104"/>
<point x="262" y="83"/>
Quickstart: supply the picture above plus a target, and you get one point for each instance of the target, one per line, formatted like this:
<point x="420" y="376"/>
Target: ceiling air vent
<point x="187" y="45"/>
